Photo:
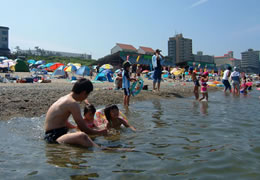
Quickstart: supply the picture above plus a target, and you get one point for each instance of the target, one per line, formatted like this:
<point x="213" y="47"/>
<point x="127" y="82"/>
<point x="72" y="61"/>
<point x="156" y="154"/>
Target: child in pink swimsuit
<point x="204" y="90"/>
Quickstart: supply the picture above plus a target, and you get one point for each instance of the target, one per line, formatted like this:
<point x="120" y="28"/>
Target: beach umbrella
<point x="9" y="62"/>
<point x="55" y="66"/>
<point x="83" y="71"/>
<point x="31" y="61"/>
<point x="107" y="66"/>
<point x="70" y="68"/>
<point x="40" y="62"/>
<point x="145" y="71"/>
<point x="164" y="71"/>
<point x="48" y="65"/>
<point x="3" y="58"/>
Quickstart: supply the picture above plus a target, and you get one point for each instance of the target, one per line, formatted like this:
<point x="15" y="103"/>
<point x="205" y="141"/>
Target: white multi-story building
<point x="4" y="41"/>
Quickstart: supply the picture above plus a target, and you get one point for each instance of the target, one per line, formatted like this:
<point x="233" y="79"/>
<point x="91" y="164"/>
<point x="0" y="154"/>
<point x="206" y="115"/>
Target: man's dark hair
<point x="82" y="85"/>
<point x="107" y="110"/>
<point x="229" y="68"/>
<point x="89" y="108"/>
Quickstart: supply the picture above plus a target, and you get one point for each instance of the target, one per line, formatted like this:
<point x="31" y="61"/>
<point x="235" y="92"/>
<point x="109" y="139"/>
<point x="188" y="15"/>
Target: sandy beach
<point x="34" y="99"/>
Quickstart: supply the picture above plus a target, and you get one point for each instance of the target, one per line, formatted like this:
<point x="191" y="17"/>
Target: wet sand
<point x="34" y="99"/>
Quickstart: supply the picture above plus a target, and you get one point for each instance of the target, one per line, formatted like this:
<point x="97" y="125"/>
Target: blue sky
<point x="94" y="27"/>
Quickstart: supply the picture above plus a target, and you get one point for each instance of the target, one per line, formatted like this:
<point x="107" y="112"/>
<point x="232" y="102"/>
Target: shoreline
<point x="34" y="99"/>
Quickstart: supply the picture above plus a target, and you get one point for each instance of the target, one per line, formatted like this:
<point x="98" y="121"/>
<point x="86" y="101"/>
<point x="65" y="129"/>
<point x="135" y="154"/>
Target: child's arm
<point x="126" y="124"/>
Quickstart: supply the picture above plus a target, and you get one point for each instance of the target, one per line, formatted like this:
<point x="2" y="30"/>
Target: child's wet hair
<point x="107" y="110"/>
<point x="89" y="108"/>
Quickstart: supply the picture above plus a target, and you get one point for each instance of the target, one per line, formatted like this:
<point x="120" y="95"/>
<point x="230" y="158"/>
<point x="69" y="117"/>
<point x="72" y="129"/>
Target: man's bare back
<point x="58" y="114"/>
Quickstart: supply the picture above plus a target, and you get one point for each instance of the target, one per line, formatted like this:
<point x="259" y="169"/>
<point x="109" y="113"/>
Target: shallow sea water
<point x="175" y="139"/>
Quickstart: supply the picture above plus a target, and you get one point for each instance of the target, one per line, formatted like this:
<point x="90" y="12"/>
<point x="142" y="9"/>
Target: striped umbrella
<point x="107" y="66"/>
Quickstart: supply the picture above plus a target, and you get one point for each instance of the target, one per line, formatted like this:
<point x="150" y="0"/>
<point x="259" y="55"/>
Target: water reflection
<point x="157" y="114"/>
<point x="195" y="108"/>
<point x="66" y="156"/>
<point x="204" y="107"/>
<point x="158" y="110"/>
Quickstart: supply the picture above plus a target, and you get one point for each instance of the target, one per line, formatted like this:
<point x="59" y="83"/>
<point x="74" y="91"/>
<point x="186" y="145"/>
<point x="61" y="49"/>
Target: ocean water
<point x="175" y="139"/>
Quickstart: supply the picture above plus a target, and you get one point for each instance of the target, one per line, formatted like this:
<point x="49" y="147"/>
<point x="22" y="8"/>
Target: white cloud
<point x="198" y="3"/>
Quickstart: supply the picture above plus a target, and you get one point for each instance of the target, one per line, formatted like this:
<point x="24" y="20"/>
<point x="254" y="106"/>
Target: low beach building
<point x="123" y="52"/>
<point x="227" y="60"/>
<point x="123" y="48"/>
<point x="146" y="50"/>
<point x="4" y="41"/>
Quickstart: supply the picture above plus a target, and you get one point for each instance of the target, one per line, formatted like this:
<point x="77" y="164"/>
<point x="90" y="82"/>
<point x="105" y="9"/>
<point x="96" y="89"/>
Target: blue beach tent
<point x="59" y="71"/>
<point x="83" y="71"/>
<point x="105" y="75"/>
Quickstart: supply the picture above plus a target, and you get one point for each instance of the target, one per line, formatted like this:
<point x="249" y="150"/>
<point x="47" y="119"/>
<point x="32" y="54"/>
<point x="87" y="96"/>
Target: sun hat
<point x="126" y="64"/>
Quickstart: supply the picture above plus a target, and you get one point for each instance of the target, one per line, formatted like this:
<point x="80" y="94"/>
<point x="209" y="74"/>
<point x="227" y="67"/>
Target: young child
<point x="114" y="121"/>
<point x="118" y="80"/>
<point x="204" y="90"/>
<point x="89" y="113"/>
<point x="196" y="83"/>
<point x="126" y="82"/>
<point x="244" y="86"/>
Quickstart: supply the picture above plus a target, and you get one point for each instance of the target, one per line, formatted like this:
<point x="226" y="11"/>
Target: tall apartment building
<point x="4" y="40"/>
<point x="250" y="61"/>
<point x="180" y="49"/>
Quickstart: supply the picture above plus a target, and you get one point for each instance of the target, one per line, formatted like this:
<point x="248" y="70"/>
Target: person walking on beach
<point x="56" y="130"/>
<point x="235" y="77"/>
<point x="225" y="78"/>
<point x="157" y="75"/>
<point x="196" y="83"/>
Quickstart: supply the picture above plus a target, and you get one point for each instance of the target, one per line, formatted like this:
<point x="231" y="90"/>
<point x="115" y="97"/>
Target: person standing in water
<point x="225" y="78"/>
<point x="196" y="83"/>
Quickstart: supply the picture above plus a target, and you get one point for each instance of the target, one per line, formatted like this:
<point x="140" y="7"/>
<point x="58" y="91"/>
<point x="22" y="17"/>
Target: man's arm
<point x="76" y="114"/>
